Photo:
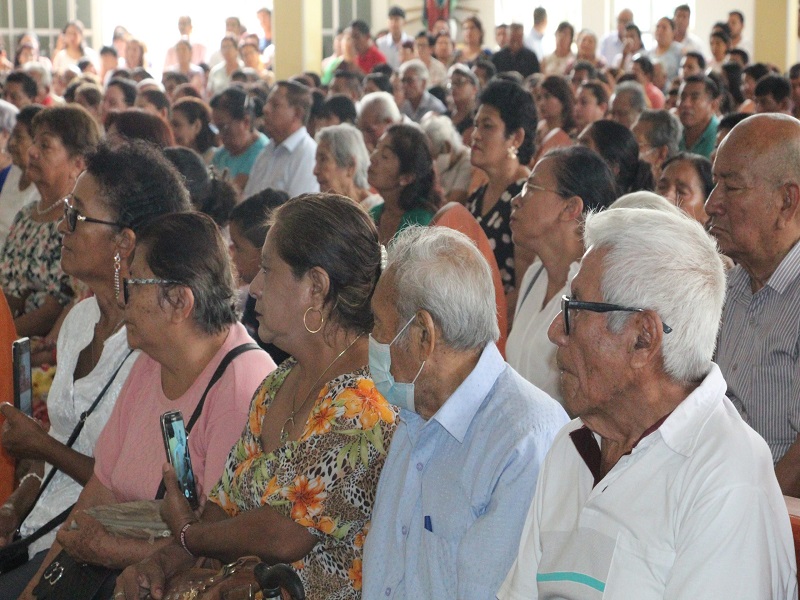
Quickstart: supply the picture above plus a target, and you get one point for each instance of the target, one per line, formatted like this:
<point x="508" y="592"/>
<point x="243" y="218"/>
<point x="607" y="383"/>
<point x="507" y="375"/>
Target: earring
<point x="117" y="265"/>
<point x="512" y="152"/>
<point x="321" y="320"/>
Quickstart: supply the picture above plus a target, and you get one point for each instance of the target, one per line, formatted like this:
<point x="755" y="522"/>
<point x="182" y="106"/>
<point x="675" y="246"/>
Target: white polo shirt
<point x="694" y="511"/>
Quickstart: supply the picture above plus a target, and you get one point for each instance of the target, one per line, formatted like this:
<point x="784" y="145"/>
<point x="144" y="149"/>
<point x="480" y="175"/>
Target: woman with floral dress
<point x="299" y="485"/>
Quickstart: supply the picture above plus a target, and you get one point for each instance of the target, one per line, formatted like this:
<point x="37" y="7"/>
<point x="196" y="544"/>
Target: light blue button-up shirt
<point x="455" y="489"/>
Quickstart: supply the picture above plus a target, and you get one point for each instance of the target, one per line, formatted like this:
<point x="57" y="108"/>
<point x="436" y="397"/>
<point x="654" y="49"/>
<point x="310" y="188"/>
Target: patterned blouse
<point x="31" y="262"/>
<point x="496" y="225"/>
<point x="325" y="481"/>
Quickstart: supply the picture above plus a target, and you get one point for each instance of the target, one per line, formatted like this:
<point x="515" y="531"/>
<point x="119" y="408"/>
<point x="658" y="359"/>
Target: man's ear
<point x="649" y="334"/>
<point x="423" y="335"/>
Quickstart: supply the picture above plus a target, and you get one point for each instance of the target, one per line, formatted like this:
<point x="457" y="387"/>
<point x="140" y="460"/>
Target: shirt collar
<point x="787" y="271"/>
<point x="293" y="141"/>
<point x="458" y="411"/>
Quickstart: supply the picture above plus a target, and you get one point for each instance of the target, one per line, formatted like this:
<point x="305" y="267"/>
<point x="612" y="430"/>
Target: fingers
<point x="144" y="580"/>
<point x="170" y="479"/>
<point x="8" y="411"/>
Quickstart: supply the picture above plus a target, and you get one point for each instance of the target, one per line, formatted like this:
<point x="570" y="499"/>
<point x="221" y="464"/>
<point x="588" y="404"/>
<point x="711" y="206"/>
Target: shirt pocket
<point x="638" y="570"/>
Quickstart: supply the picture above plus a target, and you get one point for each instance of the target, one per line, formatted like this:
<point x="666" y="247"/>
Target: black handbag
<point x="16" y="553"/>
<point x="67" y="579"/>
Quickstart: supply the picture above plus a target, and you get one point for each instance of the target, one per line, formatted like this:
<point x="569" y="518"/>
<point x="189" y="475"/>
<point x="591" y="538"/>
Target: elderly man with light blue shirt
<point x="464" y="460"/>
<point x="287" y="161"/>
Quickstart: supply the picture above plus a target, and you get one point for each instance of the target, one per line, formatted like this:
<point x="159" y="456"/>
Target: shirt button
<point x="734" y="368"/>
<point x="405" y="530"/>
<point x="419" y="466"/>
<point x="388" y="591"/>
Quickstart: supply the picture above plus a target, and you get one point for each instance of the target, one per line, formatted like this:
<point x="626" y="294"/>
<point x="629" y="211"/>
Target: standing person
<point x="74" y="50"/>
<point x="35" y="285"/>
<point x="515" y="56"/>
<point x="637" y="492"/>
<point x="391" y="43"/>
<point x="503" y="143"/>
<point x="367" y="54"/>
<point x="184" y="51"/>
<point x="287" y="161"/>
<point x="689" y="41"/>
<point x="667" y="51"/>
<point x="120" y="192"/>
<point x="220" y="76"/>
<point x="470" y="426"/>
<point x="533" y="40"/>
<point x="423" y="45"/>
<point x="613" y="43"/>
<point x="736" y="27"/>
<point x="443" y="49"/>
<point x="546" y="220"/>
<point x="472" y="49"/>
<point x="198" y="50"/>
<point x="556" y="63"/>
<point x="633" y="46"/>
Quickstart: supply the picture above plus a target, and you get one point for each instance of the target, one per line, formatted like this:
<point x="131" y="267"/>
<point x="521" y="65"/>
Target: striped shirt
<point x="758" y="351"/>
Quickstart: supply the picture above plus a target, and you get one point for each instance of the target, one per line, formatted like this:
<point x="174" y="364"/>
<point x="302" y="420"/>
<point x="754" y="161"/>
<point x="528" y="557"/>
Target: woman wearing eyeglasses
<point x="101" y="219"/>
<point x="180" y="311"/>
<point x="546" y="220"/>
<point x="30" y="271"/>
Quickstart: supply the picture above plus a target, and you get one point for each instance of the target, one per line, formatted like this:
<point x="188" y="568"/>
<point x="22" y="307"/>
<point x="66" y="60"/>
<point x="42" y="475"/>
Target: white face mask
<point x="442" y="163"/>
<point x="380" y="364"/>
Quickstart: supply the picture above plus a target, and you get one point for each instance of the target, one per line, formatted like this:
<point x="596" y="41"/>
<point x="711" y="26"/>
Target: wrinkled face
<point x="371" y="126"/>
<point x="695" y="106"/>
<point x="622" y="111"/>
<point x="680" y="184"/>
<point x="48" y="159"/>
<point x="331" y="177"/>
<point x="413" y="86"/>
<point x="146" y="313"/>
<point x="537" y="208"/>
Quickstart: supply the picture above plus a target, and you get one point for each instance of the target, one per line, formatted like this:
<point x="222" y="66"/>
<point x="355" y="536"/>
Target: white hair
<point x="416" y="66"/>
<point x="440" y="130"/>
<point x="385" y="106"/>
<point x="42" y="75"/>
<point x="666" y="262"/>
<point x="644" y="199"/>
<point x="440" y="270"/>
<point x="8" y="116"/>
<point x="348" y="149"/>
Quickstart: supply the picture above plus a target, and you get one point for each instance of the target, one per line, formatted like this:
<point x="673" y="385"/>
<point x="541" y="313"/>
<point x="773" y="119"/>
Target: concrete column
<point x="297" y="29"/>
<point x="775" y="32"/>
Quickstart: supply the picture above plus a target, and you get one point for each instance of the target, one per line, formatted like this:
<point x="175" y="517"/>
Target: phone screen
<point x="23" y="389"/>
<point x="176" y="444"/>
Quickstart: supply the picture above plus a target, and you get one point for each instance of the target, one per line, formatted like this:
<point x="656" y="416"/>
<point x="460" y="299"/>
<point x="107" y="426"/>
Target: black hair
<point x="360" y="26"/>
<point x="28" y="83"/>
<point x="233" y="100"/>
<point x="701" y="60"/>
<point x="517" y="111"/>
<point x="701" y="165"/>
<point x="194" y="109"/>
<point x="557" y="86"/>
<point x="774" y="85"/>
<point x="742" y="54"/>
<point x="645" y="64"/>
<point x="756" y="71"/>
<point x="582" y="172"/>
<point x="732" y="76"/>
<point x="252" y="214"/>
<point x="618" y="147"/>
<point x="340" y="106"/>
<point x="712" y="88"/>
<point x="381" y="81"/>
<point x="412" y="148"/>
<point x="127" y="87"/>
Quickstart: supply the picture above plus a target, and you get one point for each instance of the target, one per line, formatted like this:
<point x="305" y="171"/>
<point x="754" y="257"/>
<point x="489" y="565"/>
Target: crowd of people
<point x="379" y="291"/>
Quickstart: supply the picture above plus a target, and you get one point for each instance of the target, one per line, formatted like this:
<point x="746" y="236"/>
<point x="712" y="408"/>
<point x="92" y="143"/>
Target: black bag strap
<point x="223" y="365"/>
<point x="59" y="518"/>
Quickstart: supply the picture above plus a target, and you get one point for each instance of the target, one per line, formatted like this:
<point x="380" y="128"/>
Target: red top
<point x="369" y="59"/>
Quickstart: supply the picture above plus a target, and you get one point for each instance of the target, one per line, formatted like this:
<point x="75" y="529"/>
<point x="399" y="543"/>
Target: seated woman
<point x="556" y="105"/>
<point x="180" y="312"/>
<point x="191" y="125"/>
<point x="547" y="221"/>
<point x="137" y="124"/>
<point x="401" y="169"/>
<point x="451" y="157"/>
<point x="686" y="181"/>
<point x="618" y="147"/>
<point x="107" y="209"/>
<point x="300" y="484"/>
<point x="341" y="165"/>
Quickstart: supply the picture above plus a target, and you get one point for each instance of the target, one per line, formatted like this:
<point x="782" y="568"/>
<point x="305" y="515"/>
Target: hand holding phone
<point x="23" y="389"/>
<point x="176" y="445"/>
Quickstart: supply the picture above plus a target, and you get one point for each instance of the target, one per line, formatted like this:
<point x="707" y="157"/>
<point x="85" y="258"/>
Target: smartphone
<point x="176" y="444"/>
<point x="23" y="390"/>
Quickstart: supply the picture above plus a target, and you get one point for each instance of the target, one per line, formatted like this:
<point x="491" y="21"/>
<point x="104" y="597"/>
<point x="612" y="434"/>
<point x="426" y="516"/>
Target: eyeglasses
<point x="126" y="282"/>
<point x="528" y="187"/>
<point x="568" y="303"/>
<point x="72" y="216"/>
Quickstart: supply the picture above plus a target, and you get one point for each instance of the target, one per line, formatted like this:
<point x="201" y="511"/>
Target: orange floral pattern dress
<point x="325" y="481"/>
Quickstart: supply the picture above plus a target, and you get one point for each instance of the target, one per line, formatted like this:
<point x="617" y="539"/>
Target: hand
<point x="143" y="580"/>
<point x="88" y="542"/>
<point x="9" y="522"/>
<point x="175" y="509"/>
<point x="22" y="436"/>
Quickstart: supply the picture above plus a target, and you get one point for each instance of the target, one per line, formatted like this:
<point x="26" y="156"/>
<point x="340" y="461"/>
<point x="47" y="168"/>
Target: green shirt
<point x="415" y="216"/>
<point x="705" y="144"/>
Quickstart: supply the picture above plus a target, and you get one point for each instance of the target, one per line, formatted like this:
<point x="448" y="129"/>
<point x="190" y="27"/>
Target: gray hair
<point x="417" y="67"/>
<point x="39" y="73"/>
<point x="440" y="270"/>
<point x="636" y="92"/>
<point x="440" y="130"/>
<point x="666" y="262"/>
<point x="348" y="149"/>
<point x="665" y="130"/>
<point x="385" y="106"/>
<point x="645" y="199"/>
<point x="8" y="116"/>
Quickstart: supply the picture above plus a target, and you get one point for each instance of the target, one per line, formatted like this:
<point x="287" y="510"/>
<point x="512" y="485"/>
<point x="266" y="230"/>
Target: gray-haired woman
<point x="341" y="165"/>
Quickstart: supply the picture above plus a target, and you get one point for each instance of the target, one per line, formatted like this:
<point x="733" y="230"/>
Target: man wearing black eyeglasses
<point x="658" y="489"/>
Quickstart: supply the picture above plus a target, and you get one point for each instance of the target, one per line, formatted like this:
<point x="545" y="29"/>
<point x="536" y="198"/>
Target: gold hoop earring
<point x="321" y="320"/>
<point x="117" y="265"/>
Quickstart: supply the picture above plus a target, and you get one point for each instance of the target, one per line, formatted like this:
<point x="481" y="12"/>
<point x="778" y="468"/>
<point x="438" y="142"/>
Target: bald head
<point x="772" y="144"/>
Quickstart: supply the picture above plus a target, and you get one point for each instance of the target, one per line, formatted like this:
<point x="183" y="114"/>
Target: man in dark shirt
<point x="515" y="56"/>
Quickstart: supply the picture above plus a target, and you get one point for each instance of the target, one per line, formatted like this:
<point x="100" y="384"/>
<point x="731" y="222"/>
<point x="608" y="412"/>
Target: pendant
<point x="284" y="434"/>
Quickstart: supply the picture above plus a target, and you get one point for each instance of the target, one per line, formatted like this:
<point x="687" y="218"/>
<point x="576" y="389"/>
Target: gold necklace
<point x="284" y="434"/>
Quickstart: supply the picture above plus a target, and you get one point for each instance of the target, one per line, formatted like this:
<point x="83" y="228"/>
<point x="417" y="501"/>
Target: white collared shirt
<point x="288" y="166"/>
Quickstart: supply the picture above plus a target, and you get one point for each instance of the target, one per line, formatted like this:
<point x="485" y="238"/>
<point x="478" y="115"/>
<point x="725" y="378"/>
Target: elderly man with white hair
<point x="658" y="489"/>
<point x="463" y="462"/>
<point x="451" y="157"/>
<point x="377" y="112"/>
<point x="418" y="100"/>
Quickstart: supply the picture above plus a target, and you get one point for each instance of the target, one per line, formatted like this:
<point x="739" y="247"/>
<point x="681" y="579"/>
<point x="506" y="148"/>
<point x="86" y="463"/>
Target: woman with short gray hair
<point x="341" y="165"/>
<point x="10" y="203"/>
<point x="451" y="158"/>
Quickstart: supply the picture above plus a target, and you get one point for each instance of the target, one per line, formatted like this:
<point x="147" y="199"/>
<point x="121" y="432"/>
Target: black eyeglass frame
<point x="599" y="307"/>
<point x="132" y="281"/>
<point x="72" y="216"/>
